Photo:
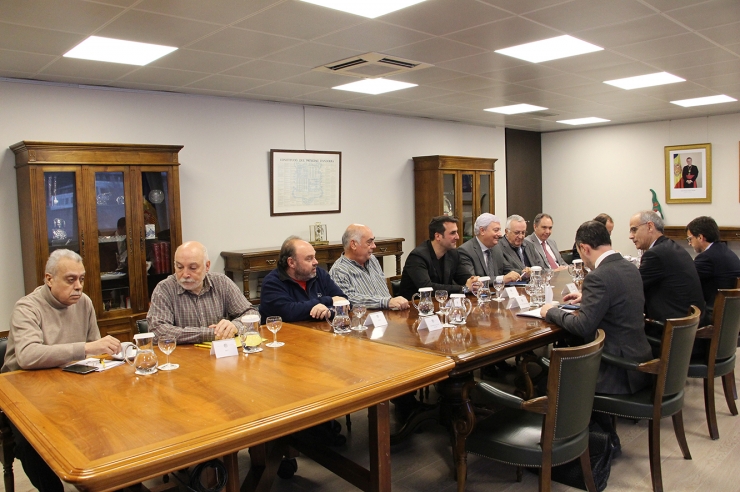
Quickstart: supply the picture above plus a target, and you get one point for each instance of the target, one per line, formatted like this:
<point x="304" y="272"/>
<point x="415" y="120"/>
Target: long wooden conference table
<point x="106" y="430"/>
<point x="491" y="334"/>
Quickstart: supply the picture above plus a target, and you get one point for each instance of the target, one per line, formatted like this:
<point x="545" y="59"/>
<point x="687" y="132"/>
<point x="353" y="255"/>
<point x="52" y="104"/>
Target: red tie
<point x="550" y="259"/>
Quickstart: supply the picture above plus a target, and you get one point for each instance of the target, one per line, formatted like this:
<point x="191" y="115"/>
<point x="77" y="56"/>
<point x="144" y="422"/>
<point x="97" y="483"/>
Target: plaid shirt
<point x="186" y="316"/>
<point x="363" y="285"/>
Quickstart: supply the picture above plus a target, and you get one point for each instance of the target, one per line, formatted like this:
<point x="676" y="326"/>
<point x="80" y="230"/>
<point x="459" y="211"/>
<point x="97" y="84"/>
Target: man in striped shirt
<point x="359" y="274"/>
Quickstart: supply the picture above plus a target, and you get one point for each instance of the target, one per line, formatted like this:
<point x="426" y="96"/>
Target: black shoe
<point x="616" y="445"/>
<point x="335" y="427"/>
<point x="287" y="468"/>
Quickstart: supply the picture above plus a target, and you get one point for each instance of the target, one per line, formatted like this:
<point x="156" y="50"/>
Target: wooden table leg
<point x="459" y="417"/>
<point x="380" y="447"/>
<point x="232" y="468"/>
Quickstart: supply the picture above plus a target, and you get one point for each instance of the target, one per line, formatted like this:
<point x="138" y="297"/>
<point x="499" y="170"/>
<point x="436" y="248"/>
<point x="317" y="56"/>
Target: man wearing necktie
<point x="516" y="251"/>
<point x="482" y="255"/>
<point x="547" y="255"/>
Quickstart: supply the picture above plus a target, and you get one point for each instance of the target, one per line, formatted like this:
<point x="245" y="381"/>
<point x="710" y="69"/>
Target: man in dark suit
<point x="612" y="300"/>
<point x="669" y="278"/>
<point x="481" y="255"/>
<point x="718" y="267"/>
<point x="435" y="263"/>
<point x="547" y="254"/>
<point x="515" y="250"/>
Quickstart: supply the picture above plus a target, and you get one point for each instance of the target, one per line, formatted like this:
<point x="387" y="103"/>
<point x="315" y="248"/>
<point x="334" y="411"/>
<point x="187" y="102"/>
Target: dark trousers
<point x="36" y="469"/>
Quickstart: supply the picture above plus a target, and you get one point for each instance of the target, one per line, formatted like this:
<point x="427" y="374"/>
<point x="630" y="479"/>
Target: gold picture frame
<point x="688" y="173"/>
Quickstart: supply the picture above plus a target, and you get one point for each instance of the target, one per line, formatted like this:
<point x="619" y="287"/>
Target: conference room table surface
<point x="492" y="333"/>
<point x="106" y="430"/>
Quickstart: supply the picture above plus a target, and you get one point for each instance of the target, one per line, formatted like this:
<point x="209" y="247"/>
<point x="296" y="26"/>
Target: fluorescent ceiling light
<point x="648" y="80"/>
<point x="515" y="109"/>
<point x="366" y="8"/>
<point x="583" y="121"/>
<point x="118" y="51"/>
<point x="550" y="49"/>
<point x="702" y="101"/>
<point x="374" y="86"/>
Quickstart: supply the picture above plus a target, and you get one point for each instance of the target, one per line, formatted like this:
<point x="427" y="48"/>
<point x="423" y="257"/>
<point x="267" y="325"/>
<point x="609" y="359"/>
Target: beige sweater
<point x="45" y="333"/>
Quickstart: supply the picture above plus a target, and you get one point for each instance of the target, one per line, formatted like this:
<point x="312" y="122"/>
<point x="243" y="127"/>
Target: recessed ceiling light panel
<point x="703" y="101"/>
<point x="550" y="49"/>
<point x="366" y="8"/>
<point x="648" y="80"/>
<point x="516" y="109"/>
<point x="584" y="121"/>
<point x="118" y="51"/>
<point x="374" y="86"/>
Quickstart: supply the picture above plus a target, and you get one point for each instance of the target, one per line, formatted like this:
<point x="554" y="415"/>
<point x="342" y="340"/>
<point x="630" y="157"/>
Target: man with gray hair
<point x="669" y="277"/>
<point x="516" y="251"/>
<point x="358" y="272"/>
<point x="194" y="305"/>
<point x="51" y="327"/>
<point x="482" y="255"/>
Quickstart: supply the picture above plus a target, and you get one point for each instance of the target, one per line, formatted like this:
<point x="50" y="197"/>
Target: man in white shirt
<point x="547" y="255"/>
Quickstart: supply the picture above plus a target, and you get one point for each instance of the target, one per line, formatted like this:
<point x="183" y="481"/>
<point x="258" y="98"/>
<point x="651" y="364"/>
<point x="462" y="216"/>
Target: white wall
<point x="225" y="161"/>
<point x="612" y="169"/>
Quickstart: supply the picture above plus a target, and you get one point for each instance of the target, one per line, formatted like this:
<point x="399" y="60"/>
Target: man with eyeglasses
<point x="358" y="272"/>
<point x="718" y="267"/>
<point x="516" y="251"/>
<point x="669" y="278"/>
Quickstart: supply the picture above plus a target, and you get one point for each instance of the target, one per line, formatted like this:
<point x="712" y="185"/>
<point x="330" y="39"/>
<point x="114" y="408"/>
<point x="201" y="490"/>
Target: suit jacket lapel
<point x="481" y="257"/>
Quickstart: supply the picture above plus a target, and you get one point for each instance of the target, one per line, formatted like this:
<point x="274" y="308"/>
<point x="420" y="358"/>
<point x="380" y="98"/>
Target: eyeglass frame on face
<point x="689" y="238"/>
<point x="520" y="233"/>
<point x="633" y="230"/>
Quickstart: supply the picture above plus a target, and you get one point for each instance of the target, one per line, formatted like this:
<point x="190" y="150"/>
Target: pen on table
<point x="202" y="345"/>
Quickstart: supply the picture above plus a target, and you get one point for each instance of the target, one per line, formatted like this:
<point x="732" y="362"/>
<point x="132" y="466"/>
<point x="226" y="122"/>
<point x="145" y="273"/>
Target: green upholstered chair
<point x="545" y="431"/>
<point x="720" y="359"/>
<point x="665" y="397"/>
<point x="7" y="443"/>
<point x="142" y="325"/>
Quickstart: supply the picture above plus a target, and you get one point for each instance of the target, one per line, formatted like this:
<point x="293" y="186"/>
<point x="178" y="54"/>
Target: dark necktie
<point x="521" y="255"/>
<point x="487" y="254"/>
<point x="550" y="259"/>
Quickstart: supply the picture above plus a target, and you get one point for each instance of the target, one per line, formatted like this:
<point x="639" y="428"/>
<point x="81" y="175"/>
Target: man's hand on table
<point x="223" y="329"/>
<point x="319" y="311"/>
<point x="106" y="345"/>
<point x="398" y="303"/>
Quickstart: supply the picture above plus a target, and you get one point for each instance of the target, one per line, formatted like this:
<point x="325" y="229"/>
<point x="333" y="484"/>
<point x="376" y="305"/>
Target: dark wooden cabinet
<point x="117" y="205"/>
<point x="462" y="187"/>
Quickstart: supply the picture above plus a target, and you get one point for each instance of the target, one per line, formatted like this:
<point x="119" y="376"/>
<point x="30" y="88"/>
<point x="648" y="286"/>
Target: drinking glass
<point x="359" y="311"/>
<point x="167" y="345"/>
<point x="441" y="296"/>
<point x="498" y="284"/>
<point x="572" y="271"/>
<point x="548" y="274"/>
<point x="274" y="323"/>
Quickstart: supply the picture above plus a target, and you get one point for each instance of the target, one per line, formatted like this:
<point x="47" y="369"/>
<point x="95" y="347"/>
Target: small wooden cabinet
<point x="462" y="187"/>
<point x="117" y="205"/>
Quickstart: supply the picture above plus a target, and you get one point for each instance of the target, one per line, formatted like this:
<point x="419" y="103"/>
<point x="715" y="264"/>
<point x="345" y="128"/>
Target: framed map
<point x="305" y="182"/>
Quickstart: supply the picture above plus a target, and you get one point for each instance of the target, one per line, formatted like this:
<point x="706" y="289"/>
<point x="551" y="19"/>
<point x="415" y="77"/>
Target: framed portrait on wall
<point x="688" y="173"/>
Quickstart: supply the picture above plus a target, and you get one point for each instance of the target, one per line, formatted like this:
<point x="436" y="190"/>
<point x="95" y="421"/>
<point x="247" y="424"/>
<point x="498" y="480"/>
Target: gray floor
<point x="423" y="463"/>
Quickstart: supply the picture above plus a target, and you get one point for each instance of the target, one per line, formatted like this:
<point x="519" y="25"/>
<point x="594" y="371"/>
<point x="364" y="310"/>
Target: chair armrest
<point x="705" y="332"/>
<point x="654" y="323"/>
<point x="655" y="342"/>
<point x="491" y="394"/>
<point x="615" y="360"/>
<point x="545" y="362"/>
<point x="650" y="367"/>
<point x="536" y="405"/>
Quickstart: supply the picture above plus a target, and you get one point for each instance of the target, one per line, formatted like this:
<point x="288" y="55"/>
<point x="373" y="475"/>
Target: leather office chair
<point x="7" y="443"/>
<point x="545" y="431"/>
<point x="567" y="256"/>
<point x="142" y="325"/>
<point x="394" y="285"/>
<point x="665" y="398"/>
<point x="720" y="361"/>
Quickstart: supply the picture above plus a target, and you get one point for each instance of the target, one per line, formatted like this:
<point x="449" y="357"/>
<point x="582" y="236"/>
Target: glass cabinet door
<point x="61" y="210"/>
<point x="157" y="234"/>
<point x="467" y="218"/>
<point x="113" y="254"/>
<point x="484" y="194"/>
<point x="449" y="195"/>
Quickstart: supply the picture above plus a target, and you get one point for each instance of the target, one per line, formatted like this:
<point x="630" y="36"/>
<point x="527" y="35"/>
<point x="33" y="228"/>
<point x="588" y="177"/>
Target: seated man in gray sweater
<point x="50" y="327"/>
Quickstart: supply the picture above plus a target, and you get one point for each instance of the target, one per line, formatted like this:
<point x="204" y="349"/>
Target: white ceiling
<point x="265" y="49"/>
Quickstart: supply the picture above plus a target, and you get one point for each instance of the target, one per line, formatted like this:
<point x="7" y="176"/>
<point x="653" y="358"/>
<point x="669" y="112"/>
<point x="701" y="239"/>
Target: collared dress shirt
<point x="364" y="285"/>
<point x="180" y="313"/>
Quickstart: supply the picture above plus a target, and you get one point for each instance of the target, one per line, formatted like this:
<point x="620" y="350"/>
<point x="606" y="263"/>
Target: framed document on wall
<point x="305" y="182"/>
<point x="688" y="173"/>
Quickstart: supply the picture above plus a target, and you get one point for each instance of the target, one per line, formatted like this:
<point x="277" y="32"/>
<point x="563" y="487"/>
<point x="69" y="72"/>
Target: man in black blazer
<point x="718" y="267"/>
<point x="482" y="256"/>
<point x="669" y="277"/>
<point x="611" y="299"/>
<point x="435" y="263"/>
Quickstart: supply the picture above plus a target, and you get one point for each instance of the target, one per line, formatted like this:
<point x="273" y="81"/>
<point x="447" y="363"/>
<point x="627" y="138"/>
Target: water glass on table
<point x="274" y="323"/>
<point x="167" y="346"/>
<point x="359" y="311"/>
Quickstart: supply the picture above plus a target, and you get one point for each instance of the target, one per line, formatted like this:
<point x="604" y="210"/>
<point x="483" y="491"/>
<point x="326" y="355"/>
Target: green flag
<point x="656" y="204"/>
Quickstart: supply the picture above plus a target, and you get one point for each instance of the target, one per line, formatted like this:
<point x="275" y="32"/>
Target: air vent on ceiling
<point x="372" y="65"/>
